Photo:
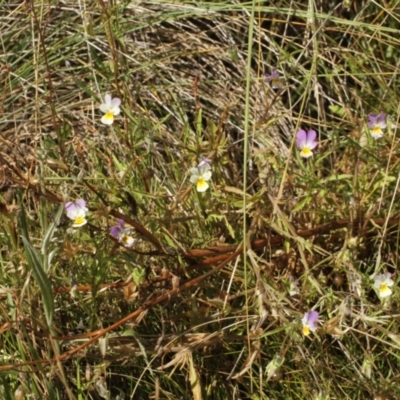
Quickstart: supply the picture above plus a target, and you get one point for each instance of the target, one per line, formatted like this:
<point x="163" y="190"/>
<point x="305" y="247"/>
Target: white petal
<point x="104" y="108"/>
<point x="194" y="178"/>
<point x="386" y="292"/>
<point x="128" y="241"/>
<point x="115" y="110"/>
<point x="77" y="225"/>
<point x="207" y="175"/>
<point x="202" y="185"/>
<point x="116" y="102"/>
<point x="106" y="120"/>
<point x="107" y="99"/>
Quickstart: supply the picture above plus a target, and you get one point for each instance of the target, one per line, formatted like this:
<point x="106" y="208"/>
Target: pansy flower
<point x="310" y="322"/>
<point x="306" y="142"/>
<point x="110" y="108"/>
<point x="382" y="283"/>
<point x="122" y="234"/>
<point x="376" y="124"/>
<point x="274" y="79"/>
<point x="77" y="212"/>
<point x="200" y="176"/>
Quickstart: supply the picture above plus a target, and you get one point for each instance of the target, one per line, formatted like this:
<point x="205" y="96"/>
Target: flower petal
<point x="376" y="132"/>
<point x="115" y="110"/>
<point x="108" y="118"/>
<point x="312" y="145"/>
<point x="273" y="75"/>
<point x="194" y="178"/>
<point x="384" y="291"/>
<point x="107" y="99"/>
<point x="115" y="231"/>
<point x="72" y="212"/>
<point x="127" y="240"/>
<point x="79" y="221"/>
<point x="381" y="119"/>
<point x="69" y="205"/>
<point x="311" y="136"/>
<point x="301" y="138"/>
<point x="306" y="152"/>
<point x="202" y="185"/>
<point x="82" y="204"/>
<point x="204" y="163"/>
<point x="104" y="108"/>
<point x="372" y="119"/>
<point x="388" y="278"/>
<point x="312" y="316"/>
<point x="115" y="102"/>
<point x="306" y="330"/>
<point x="207" y="175"/>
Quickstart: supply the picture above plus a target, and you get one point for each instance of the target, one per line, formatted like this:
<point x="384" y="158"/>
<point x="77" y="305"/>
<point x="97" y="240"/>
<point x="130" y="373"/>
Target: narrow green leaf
<point x="301" y="204"/>
<point x="47" y="239"/>
<point x="199" y="122"/>
<point x="36" y="263"/>
<point x="50" y="231"/>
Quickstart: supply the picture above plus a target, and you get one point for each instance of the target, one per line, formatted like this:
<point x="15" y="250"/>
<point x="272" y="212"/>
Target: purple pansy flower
<point x="376" y="124"/>
<point x="77" y="212"/>
<point x="306" y="142"/>
<point x="275" y="79"/>
<point x="122" y="234"/>
<point x="310" y="322"/>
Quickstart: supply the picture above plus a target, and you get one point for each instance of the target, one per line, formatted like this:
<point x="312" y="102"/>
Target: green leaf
<point x="47" y="238"/>
<point x="138" y="275"/>
<point x="301" y="204"/>
<point x="199" y="122"/>
<point x="337" y="177"/>
<point x="337" y="110"/>
<point x="35" y="261"/>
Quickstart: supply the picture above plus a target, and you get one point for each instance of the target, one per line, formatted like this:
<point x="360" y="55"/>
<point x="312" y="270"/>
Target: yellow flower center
<point x="109" y="115"/>
<point x="125" y="239"/>
<point x="79" y="220"/>
<point x="384" y="288"/>
<point x="202" y="185"/>
<point x="306" y="330"/>
<point x="276" y="83"/>
<point x="306" y="152"/>
<point x="376" y="130"/>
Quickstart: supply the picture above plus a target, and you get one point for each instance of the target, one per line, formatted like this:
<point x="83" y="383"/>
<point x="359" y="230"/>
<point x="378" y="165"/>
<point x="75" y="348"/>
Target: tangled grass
<point x="202" y="305"/>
